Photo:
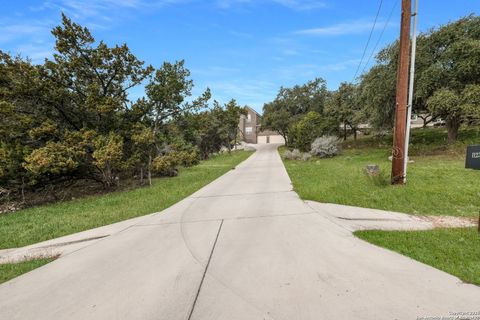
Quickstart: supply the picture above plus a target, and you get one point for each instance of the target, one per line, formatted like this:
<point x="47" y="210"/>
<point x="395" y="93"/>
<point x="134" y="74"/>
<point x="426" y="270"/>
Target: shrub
<point x="325" y="147"/>
<point x="108" y="156"/>
<point x="166" y="165"/>
<point x="292" y="155"/>
<point x="304" y="131"/>
<point x="188" y="158"/>
<point x="306" y="156"/>
<point x="54" y="158"/>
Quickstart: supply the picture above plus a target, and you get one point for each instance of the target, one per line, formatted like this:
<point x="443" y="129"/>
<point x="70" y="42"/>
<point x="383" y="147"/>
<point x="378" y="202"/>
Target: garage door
<point x="271" y="139"/>
<point x="277" y="139"/>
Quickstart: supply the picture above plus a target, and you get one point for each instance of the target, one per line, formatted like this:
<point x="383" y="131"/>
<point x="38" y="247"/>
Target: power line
<point x="369" y="38"/>
<point x="380" y="37"/>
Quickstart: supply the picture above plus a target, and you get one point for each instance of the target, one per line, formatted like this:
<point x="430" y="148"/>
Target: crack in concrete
<point x="205" y="271"/>
<point x="61" y="244"/>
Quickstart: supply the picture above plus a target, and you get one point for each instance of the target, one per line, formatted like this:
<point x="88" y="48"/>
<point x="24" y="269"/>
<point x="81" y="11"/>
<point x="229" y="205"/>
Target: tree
<point x="345" y="107"/>
<point x="232" y="113"/>
<point x="311" y="126"/>
<point x="448" y="83"/>
<point x="91" y="82"/>
<point x="377" y="89"/>
<point x="278" y="120"/>
<point x="447" y="59"/>
<point x="455" y="107"/>
<point x="166" y="93"/>
<point x="292" y="103"/>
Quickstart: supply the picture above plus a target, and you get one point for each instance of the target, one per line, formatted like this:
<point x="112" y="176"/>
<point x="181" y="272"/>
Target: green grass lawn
<point x="51" y="221"/>
<point x="12" y="270"/>
<point x="456" y="251"/>
<point x="437" y="184"/>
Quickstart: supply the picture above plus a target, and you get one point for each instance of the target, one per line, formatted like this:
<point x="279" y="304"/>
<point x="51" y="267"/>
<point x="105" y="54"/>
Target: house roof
<point x="253" y="110"/>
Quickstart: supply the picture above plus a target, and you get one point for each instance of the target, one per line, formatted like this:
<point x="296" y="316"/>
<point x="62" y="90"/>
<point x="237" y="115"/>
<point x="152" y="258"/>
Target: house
<point x="250" y="129"/>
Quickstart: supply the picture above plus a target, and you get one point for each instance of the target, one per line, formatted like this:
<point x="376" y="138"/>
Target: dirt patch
<point x="450" y="221"/>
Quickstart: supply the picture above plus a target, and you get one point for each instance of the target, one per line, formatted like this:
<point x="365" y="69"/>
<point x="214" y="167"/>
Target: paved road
<point x="243" y="247"/>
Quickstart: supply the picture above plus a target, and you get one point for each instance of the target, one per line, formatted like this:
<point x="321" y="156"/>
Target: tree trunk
<point x="235" y="140"/>
<point x="344" y="131"/>
<point x="149" y="173"/>
<point x="23" y="189"/>
<point x="285" y="138"/>
<point x="453" y="125"/>
<point x="141" y="175"/>
<point x="424" y="123"/>
<point x="354" y="134"/>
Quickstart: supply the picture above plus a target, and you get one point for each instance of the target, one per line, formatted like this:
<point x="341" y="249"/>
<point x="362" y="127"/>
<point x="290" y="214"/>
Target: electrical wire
<point x="369" y="38"/>
<point x="380" y="37"/>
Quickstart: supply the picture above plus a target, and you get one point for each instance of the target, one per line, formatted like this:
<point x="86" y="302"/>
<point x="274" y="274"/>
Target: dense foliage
<point x="72" y="118"/>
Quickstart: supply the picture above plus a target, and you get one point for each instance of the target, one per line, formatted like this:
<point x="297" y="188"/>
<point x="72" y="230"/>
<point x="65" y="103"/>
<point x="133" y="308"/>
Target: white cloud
<point x="9" y="32"/>
<point x="101" y="10"/>
<point x="302" y="5"/>
<point x="299" y="5"/>
<point x="354" y="27"/>
<point x="36" y="52"/>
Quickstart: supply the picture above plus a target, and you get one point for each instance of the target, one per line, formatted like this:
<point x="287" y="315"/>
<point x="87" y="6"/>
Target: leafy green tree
<point x="313" y="125"/>
<point x="456" y="108"/>
<point x="292" y="103"/>
<point x="230" y="115"/>
<point x="211" y="129"/>
<point x="108" y="157"/>
<point x="377" y="89"/>
<point x="276" y="119"/>
<point x="91" y="81"/>
<point x="447" y="59"/>
<point x="344" y="106"/>
<point x="167" y="93"/>
<point x="453" y="71"/>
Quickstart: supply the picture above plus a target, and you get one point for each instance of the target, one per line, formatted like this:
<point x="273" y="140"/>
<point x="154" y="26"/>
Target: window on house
<point x="249" y="118"/>
<point x="248" y="130"/>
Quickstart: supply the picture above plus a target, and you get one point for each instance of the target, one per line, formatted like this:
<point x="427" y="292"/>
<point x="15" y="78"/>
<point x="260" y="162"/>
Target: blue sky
<point x="242" y="49"/>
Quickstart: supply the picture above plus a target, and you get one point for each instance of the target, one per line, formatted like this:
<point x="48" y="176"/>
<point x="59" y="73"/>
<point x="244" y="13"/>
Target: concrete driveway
<point x="243" y="247"/>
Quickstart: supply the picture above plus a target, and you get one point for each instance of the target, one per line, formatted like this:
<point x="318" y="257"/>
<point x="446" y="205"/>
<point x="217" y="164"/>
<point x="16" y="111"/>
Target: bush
<point x="166" y="165"/>
<point x="306" y="156"/>
<point x="54" y="158"/>
<point x="325" y="147"/>
<point x="292" y="155"/>
<point x="188" y="158"/>
<point x="304" y="131"/>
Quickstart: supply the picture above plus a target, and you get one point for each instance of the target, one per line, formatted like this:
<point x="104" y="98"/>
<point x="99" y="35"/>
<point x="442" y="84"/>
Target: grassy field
<point x="456" y="251"/>
<point x="437" y="184"/>
<point x="50" y="221"/>
<point x="10" y="271"/>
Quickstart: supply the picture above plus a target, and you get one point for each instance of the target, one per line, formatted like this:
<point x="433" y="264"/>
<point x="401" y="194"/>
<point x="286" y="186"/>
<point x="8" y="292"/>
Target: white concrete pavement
<point x="243" y="247"/>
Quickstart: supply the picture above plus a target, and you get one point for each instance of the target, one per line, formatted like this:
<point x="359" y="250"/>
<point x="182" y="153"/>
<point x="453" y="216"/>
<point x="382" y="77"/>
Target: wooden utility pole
<point x="399" y="132"/>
